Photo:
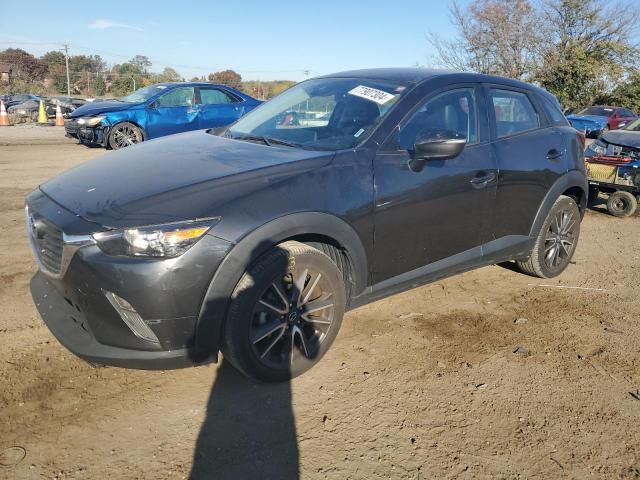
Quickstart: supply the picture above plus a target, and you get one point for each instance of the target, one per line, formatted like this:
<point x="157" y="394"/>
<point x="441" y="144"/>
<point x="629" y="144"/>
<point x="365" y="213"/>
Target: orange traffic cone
<point x="59" y="119"/>
<point x="4" y="118"/>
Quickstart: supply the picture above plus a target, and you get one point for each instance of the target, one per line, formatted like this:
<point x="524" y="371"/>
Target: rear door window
<point x="513" y="112"/>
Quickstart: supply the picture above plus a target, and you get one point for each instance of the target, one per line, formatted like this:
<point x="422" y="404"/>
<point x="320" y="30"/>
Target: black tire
<point x="556" y="242"/>
<point x="270" y="340"/>
<point x="622" y="204"/>
<point x="124" y="135"/>
<point x="594" y="192"/>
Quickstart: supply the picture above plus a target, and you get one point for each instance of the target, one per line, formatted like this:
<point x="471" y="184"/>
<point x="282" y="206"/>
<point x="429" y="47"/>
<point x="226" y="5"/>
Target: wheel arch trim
<point x="571" y="179"/>
<point x="255" y="243"/>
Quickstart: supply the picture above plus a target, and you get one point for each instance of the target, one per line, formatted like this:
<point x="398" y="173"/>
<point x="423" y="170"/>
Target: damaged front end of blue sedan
<point x="155" y="111"/>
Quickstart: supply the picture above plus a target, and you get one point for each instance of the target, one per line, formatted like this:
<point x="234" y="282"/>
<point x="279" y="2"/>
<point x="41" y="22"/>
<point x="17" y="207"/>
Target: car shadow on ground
<point x="249" y="431"/>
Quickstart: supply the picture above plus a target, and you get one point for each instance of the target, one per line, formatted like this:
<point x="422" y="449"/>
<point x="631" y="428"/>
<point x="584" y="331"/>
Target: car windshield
<point x="599" y="111"/>
<point x="320" y="114"/>
<point x="143" y="94"/>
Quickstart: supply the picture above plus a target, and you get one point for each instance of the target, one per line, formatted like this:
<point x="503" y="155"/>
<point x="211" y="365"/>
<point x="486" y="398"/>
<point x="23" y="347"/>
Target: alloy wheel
<point x="561" y="239"/>
<point x="125" y="136"/>
<point x="292" y="318"/>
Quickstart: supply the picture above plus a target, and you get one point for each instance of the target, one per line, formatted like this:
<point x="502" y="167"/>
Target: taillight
<point x="582" y="137"/>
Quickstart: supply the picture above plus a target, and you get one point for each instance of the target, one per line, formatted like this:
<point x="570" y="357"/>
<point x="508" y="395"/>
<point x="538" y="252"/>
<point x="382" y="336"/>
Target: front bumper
<point x="590" y="129"/>
<point x="87" y="135"/>
<point x="70" y="327"/>
<point x="166" y="293"/>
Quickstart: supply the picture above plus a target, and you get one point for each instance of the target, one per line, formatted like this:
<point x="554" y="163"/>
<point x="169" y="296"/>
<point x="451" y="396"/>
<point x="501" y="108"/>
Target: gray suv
<point x="255" y="239"/>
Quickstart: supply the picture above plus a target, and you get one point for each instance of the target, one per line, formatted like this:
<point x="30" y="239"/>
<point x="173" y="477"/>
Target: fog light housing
<point x="131" y="318"/>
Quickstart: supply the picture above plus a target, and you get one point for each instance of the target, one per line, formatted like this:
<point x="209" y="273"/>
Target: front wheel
<point x="285" y="313"/>
<point x="556" y="242"/>
<point x="124" y="135"/>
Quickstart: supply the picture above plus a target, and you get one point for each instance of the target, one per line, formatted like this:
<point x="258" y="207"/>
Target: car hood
<point x="173" y="178"/>
<point x="96" y="108"/>
<point x="625" y="138"/>
<point x="589" y="118"/>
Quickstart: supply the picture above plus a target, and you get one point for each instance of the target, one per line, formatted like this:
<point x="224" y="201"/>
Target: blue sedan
<point x="156" y="111"/>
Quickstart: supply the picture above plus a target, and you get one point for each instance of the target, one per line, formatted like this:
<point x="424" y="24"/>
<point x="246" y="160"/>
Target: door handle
<point x="555" y="154"/>
<point x="483" y="181"/>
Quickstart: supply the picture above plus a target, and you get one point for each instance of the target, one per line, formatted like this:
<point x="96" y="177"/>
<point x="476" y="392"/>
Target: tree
<point x="226" y="77"/>
<point x="142" y="62"/>
<point x="265" y="90"/>
<point x="53" y="57"/>
<point x="493" y="36"/>
<point x="577" y="49"/>
<point x="167" y="75"/>
<point x="626" y="94"/>
<point x="587" y="48"/>
<point x="124" y="77"/>
<point x="83" y="70"/>
<point x="25" y="66"/>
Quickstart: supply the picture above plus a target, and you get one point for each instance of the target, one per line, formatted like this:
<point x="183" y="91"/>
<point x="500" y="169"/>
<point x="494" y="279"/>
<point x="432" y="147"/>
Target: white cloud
<point x="103" y="24"/>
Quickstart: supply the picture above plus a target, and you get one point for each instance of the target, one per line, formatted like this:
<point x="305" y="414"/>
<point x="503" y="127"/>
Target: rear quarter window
<point x="552" y="108"/>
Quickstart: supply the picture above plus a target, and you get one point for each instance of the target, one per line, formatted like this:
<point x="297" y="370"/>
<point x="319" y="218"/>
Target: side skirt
<point x="495" y="251"/>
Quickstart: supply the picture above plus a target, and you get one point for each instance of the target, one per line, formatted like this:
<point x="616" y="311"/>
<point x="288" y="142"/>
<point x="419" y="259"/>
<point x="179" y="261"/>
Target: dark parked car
<point x="156" y="111"/>
<point x="16" y="99"/>
<point x="254" y="240"/>
<point x="595" y="120"/>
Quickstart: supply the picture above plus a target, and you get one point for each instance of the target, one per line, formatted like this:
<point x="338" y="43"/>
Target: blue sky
<point x="261" y="40"/>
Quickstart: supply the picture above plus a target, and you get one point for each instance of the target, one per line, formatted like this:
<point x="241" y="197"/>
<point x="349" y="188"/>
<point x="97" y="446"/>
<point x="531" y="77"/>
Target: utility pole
<point x="66" y="61"/>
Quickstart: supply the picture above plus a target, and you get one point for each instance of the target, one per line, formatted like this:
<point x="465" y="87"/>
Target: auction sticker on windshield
<point x="373" y="94"/>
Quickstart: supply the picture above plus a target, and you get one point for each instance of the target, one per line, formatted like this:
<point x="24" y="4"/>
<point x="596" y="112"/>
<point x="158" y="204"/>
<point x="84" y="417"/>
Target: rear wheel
<point x="124" y="135"/>
<point x="621" y="204"/>
<point x="285" y="313"/>
<point x="556" y="242"/>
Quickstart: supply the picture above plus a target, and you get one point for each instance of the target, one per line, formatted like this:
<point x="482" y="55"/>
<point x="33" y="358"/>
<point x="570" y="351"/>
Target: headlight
<point x="598" y="147"/>
<point x="90" y="121"/>
<point x="167" y="241"/>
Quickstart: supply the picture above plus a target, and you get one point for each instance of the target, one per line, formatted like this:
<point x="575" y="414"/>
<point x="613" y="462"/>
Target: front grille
<point x="47" y="241"/>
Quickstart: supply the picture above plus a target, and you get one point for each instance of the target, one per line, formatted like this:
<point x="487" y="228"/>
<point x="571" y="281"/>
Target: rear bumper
<point x="71" y="329"/>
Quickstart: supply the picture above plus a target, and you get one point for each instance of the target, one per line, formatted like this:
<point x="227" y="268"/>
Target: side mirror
<point x="152" y="105"/>
<point x="436" y="145"/>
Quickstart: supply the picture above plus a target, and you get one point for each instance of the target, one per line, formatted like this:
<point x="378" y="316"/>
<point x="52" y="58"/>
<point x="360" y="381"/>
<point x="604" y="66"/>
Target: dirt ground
<point x="424" y="385"/>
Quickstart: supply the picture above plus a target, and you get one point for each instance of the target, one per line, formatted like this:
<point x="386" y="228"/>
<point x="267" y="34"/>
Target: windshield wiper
<point x="269" y="141"/>
<point x="282" y="142"/>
